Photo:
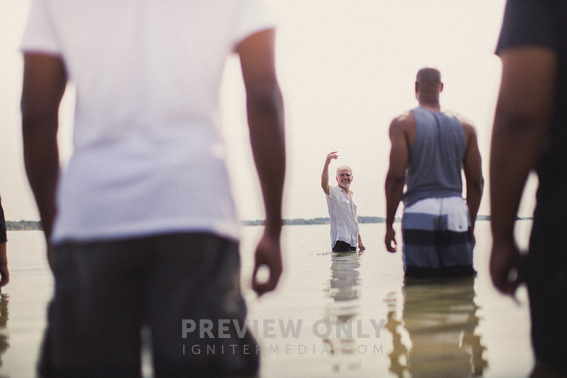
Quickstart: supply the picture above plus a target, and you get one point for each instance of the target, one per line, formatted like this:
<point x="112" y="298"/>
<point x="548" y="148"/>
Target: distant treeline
<point x="23" y="225"/>
<point x="299" y="221"/>
<point x="36" y="225"/>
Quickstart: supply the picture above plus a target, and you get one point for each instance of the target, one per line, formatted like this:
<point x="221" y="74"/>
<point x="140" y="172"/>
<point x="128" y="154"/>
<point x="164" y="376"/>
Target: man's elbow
<point x="35" y="112"/>
<point x="393" y="180"/>
<point x="515" y="122"/>
<point x="33" y="120"/>
<point x="265" y="97"/>
<point x="476" y="184"/>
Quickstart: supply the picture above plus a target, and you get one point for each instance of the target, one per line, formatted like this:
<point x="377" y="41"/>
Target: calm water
<point x="337" y="315"/>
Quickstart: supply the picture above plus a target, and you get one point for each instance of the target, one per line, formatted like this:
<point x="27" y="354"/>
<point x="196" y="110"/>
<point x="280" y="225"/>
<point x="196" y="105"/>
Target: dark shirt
<point x="544" y="23"/>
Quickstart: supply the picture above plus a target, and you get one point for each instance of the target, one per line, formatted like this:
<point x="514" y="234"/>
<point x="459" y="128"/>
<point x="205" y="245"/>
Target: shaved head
<point x="428" y="85"/>
<point x="428" y="75"/>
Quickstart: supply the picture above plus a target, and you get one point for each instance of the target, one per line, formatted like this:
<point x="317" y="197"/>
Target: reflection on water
<point x="440" y="319"/>
<point x="4" y="299"/>
<point x="344" y="289"/>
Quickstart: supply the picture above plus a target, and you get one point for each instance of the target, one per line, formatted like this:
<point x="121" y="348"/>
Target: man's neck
<point x="435" y="106"/>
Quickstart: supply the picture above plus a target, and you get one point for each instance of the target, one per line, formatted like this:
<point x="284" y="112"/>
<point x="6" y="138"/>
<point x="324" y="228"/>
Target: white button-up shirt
<point x="344" y="216"/>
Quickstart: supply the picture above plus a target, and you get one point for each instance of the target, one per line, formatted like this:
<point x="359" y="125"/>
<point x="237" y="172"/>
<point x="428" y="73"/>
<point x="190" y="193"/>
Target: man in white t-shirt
<point x="345" y="235"/>
<point x="141" y="224"/>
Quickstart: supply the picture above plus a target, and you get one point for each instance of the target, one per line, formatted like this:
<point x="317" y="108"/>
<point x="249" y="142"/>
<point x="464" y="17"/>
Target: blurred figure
<point x="345" y="234"/>
<point x="141" y="225"/>
<point x="530" y="132"/>
<point x="4" y="272"/>
<point x="430" y="147"/>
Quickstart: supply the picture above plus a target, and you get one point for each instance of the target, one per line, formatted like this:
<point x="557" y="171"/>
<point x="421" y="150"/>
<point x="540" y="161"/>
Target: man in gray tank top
<point x="430" y="146"/>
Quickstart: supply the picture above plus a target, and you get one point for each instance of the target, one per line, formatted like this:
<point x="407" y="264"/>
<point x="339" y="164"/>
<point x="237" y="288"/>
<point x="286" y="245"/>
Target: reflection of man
<point x="4" y="337"/>
<point x="440" y="317"/>
<point x="344" y="289"/>
<point x="430" y="146"/>
<point x="4" y="272"/>
<point x="530" y="131"/>
<point x="345" y="234"/>
<point x="145" y="231"/>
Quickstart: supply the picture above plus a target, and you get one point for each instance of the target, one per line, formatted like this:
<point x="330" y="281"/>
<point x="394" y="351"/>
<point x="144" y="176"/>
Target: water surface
<point x="343" y="315"/>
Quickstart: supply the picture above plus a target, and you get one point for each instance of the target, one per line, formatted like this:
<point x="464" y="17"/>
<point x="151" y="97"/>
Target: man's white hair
<point x="339" y="169"/>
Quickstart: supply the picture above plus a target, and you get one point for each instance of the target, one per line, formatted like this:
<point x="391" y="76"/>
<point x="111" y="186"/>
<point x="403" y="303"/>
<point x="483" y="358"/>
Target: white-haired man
<point x="345" y="235"/>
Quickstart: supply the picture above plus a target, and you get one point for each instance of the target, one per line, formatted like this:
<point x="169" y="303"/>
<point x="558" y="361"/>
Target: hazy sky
<point x="346" y="68"/>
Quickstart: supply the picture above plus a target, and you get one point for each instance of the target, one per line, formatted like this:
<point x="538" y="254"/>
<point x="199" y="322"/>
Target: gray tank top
<point x="436" y="157"/>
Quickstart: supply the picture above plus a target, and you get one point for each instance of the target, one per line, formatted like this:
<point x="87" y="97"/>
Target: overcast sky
<point x="346" y="68"/>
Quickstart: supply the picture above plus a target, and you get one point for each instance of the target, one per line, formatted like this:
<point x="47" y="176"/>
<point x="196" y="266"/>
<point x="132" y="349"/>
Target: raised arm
<point x="44" y="84"/>
<point x="395" y="179"/>
<point x="521" y="122"/>
<point x="267" y="137"/>
<point x="325" y="175"/>
<point x="472" y="164"/>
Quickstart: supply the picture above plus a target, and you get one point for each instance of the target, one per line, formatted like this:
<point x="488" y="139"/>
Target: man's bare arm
<point x="521" y="123"/>
<point x="395" y="178"/>
<point x="472" y="164"/>
<point x="4" y="271"/>
<point x="44" y="84"/>
<point x="360" y="244"/>
<point x="325" y="174"/>
<point x="267" y="137"/>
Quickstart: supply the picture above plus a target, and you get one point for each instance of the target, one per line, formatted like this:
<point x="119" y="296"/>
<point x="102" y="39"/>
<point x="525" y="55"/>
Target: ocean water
<point x="332" y="315"/>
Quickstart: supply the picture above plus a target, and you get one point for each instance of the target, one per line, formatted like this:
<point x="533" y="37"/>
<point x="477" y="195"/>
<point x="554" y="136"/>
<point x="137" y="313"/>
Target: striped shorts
<point x="437" y="238"/>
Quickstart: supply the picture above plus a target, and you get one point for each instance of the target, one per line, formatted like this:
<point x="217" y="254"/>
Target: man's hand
<point x="268" y="254"/>
<point x="4" y="272"/>
<point x="361" y="246"/>
<point x="506" y="267"/>
<point x="391" y="238"/>
<point x="325" y="174"/>
<point x="331" y="156"/>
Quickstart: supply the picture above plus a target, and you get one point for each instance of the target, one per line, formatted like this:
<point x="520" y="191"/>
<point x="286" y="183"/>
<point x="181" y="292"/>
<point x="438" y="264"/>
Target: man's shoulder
<point x="333" y="189"/>
<point x="407" y="116"/>
<point x="467" y="124"/>
<point x="404" y="123"/>
<point x="461" y="118"/>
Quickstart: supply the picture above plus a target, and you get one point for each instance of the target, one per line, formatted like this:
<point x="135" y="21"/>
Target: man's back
<point x="435" y="156"/>
<point x="147" y="76"/>
<point x="429" y="149"/>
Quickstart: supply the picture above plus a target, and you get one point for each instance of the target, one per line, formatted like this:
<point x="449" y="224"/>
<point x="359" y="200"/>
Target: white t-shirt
<point x="148" y="157"/>
<point x="344" y="216"/>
